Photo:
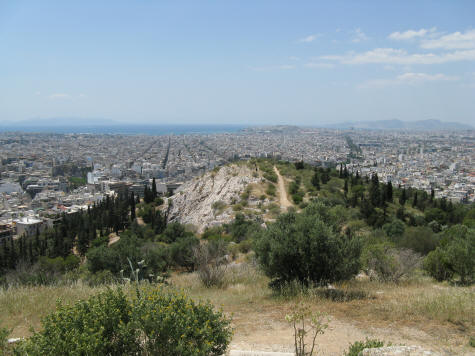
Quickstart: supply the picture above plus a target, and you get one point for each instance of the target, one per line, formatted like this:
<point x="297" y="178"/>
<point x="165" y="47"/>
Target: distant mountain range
<point x="395" y="124"/>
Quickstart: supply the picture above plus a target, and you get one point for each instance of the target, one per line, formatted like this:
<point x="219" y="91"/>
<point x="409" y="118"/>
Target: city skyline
<point x="237" y="63"/>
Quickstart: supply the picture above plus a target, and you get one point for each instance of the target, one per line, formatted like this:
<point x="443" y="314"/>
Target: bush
<point x="358" y="346"/>
<point x="4" y="347"/>
<point x="420" y="239"/>
<point x="437" y="265"/>
<point x="181" y="252"/>
<point x="388" y="264"/>
<point x="155" y="323"/>
<point x="98" y="326"/>
<point x="454" y="256"/>
<point x="173" y="325"/>
<point x="211" y="262"/>
<point x="305" y="248"/>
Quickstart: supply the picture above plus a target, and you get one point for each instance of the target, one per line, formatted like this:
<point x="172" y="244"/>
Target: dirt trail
<point x="268" y="332"/>
<point x="284" y="200"/>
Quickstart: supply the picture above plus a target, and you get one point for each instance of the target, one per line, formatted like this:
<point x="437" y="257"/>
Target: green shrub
<point x="181" y="252"/>
<point x="100" y="325"/>
<point x="454" y="256"/>
<point x="4" y="348"/>
<point x="388" y="264"/>
<point x="305" y="247"/>
<point x="156" y="322"/>
<point x="174" y="325"/>
<point x="358" y="346"/>
<point x="437" y="265"/>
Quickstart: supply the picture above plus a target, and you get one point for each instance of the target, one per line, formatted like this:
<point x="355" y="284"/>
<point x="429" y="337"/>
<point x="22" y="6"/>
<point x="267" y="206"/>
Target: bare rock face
<point x="399" y="351"/>
<point x="205" y="201"/>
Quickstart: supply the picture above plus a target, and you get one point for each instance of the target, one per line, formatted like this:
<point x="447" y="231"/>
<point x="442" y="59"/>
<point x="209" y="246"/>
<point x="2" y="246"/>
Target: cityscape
<point x="43" y="175"/>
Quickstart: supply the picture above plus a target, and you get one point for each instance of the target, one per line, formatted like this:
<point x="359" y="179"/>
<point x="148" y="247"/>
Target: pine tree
<point x="346" y="187"/>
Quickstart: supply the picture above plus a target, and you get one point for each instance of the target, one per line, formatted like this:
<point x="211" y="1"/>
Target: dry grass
<point x="443" y="315"/>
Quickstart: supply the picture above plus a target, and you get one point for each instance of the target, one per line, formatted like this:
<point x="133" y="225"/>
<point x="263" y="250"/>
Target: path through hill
<point x="284" y="200"/>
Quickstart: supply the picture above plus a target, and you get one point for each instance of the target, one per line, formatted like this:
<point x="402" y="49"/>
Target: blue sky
<point x="247" y="62"/>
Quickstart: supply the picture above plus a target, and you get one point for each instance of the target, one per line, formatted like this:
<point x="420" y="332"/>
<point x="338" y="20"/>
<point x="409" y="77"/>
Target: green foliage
<point x="420" y="239"/>
<point x="174" y="325"/>
<point x="358" y="346"/>
<point x="305" y="247"/>
<point x="436" y="264"/>
<point x="173" y="232"/>
<point x="454" y="256"/>
<point x="156" y="322"/>
<point x="306" y="325"/>
<point x="98" y="326"/>
<point x="394" y="229"/>
<point x="4" y="347"/>
<point x="181" y="252"/>
<point x="388" y="264"/>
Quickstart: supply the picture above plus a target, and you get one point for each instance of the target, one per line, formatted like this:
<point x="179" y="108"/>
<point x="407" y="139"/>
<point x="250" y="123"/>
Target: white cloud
<point x="359" y="36"/>
<point x="456" y="40"/>
<point x="410" y="34"/>
<point x="408" y="79"/>
<point x="319" y="65"/>
<point x="59" y="96"/>
<point x="310" y="38"/>
<point x="400" y="56"/>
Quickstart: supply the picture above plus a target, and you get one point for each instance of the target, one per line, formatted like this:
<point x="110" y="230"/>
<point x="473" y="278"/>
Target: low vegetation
<point x="363" y="249"/>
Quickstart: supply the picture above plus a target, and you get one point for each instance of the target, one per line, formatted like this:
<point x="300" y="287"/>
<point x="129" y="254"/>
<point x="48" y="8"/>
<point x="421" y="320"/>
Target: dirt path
<point x="284" y="200"/>
<point x="267" y="331"/>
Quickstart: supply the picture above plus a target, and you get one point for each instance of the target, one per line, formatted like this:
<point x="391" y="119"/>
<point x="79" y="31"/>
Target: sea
<point x="129" y="129"/>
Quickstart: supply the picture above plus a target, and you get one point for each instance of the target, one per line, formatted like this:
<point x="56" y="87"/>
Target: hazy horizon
<point x="237" y="63"/>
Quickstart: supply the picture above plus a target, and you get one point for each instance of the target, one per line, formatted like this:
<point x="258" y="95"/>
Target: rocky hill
<point x="215" y="197"/>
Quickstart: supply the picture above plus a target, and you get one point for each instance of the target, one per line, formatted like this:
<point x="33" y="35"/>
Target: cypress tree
<point x="403" y="198"/>
<point x="132" y="207"/>
<point x="389" y="192"/>
<point x="154" y="189"/>
<point x="316" y="180"/>
<point x="414" y="201"/>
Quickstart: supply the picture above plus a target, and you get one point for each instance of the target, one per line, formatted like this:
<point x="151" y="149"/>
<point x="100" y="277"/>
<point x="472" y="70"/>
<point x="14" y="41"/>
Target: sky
<point x="237" y="62"/>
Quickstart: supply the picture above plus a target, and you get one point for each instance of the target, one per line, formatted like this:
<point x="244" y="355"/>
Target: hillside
<point x="216" y="197"/>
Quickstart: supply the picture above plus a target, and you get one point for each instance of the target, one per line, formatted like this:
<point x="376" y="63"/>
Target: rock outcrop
<point x="206" y="201"/>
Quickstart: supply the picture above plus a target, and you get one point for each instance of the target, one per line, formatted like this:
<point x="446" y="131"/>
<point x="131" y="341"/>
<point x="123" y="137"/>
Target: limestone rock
<point x="206" y="201"/>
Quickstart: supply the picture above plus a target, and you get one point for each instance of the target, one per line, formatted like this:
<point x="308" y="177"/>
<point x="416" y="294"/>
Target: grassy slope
<point x="419" y="311"/>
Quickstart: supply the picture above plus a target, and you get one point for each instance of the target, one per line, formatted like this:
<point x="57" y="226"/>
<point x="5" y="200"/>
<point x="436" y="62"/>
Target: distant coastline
<point x="127" y="129"/>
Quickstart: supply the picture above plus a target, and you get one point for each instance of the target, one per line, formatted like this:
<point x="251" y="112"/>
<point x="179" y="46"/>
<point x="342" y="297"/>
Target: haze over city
<point x="246" y="62"/>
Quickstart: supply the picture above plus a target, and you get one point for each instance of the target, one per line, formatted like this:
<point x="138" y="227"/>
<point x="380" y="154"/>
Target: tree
<point x="132" y="206"/>
<point x="454" y="256"/>
<point x="305" y="247"/>
<point x="316" y="180"/>
<point x="154" y="189"/>
<point x="389" y="192"/>
<point x="374" y="192"/>
<point x="403" y="197"/>
<point x="414" y="200"/>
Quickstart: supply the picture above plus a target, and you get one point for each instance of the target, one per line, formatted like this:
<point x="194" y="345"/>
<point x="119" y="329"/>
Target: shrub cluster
<point x="156" y="322"/>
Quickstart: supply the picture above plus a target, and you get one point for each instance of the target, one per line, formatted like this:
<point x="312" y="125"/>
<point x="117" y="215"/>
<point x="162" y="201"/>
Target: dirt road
<point x="283" y="199"/>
